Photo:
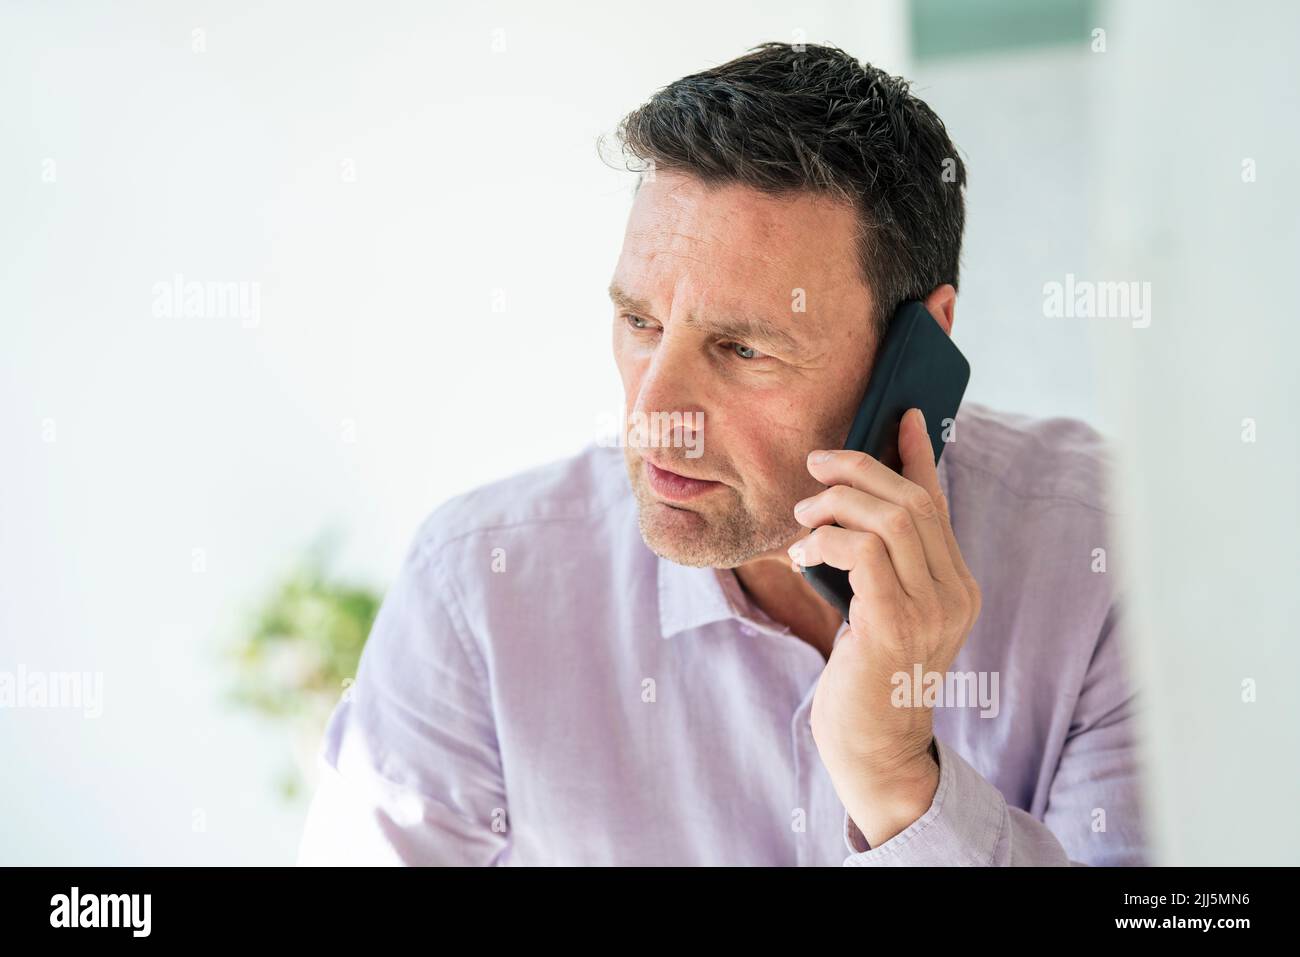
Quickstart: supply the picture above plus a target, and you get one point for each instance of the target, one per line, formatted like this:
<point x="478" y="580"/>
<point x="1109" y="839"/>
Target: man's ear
<point x="942" y="304"/>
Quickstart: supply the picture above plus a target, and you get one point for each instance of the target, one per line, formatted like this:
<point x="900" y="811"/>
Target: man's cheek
<point x="692" y="434"/>
<point x="768" y="469"/>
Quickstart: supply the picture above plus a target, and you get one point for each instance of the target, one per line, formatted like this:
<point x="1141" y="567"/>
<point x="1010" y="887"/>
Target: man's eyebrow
<point x="624" y="301"/>
<point x="746" y="329"/>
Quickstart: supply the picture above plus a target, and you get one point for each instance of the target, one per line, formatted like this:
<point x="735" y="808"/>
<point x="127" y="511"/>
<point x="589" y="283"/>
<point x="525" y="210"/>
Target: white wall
<point x="1212" y="520"/>
<point x="1016" y="118"/>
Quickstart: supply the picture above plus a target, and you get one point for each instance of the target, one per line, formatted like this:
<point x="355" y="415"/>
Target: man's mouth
<point x="675" y="487"/>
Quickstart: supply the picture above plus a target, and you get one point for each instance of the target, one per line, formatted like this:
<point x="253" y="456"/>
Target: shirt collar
<point x="692" y="597"/>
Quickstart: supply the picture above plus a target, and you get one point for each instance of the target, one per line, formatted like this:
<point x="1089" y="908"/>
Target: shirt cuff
<point x="962" y="826"/>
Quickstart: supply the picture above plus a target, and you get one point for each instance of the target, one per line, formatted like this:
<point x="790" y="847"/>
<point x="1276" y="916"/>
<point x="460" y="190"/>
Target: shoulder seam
<point x="1019" y="493"/>
<point x="435" y="542"/>
<point x="459" y="625"/>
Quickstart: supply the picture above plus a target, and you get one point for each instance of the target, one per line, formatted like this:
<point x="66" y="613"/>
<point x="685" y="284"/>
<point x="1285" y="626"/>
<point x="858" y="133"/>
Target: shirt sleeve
<point x="410" y="769"/>
<point x="1093" y="815"/>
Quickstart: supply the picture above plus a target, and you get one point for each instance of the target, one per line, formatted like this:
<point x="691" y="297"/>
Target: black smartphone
<point x="917" y="366"/>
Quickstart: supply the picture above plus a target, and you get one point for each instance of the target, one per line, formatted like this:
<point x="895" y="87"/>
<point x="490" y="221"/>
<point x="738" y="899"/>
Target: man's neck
<point x="786" y="597"/>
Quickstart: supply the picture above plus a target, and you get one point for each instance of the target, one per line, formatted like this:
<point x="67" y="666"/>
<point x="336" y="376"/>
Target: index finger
<point x="867" y="474"/>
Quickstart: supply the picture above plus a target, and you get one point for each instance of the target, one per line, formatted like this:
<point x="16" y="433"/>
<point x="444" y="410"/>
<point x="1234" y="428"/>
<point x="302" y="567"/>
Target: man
<point x="608" y="660"/>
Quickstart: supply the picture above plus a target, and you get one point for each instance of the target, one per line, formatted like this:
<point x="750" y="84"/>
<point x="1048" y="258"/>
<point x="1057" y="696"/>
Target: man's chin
<point x="678" y="534"/>
<point x="695" y="538"/>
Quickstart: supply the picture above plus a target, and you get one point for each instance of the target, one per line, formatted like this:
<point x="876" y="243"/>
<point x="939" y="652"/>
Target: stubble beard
<point x="720" y="530"/>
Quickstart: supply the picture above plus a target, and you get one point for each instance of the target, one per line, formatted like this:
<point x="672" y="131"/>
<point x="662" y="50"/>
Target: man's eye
<point x="636" y="322"/>
<point x="744" y="351"/>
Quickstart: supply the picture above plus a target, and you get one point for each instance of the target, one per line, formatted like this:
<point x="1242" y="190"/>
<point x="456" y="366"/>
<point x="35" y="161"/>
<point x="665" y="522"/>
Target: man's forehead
<point x="743" y="234"/>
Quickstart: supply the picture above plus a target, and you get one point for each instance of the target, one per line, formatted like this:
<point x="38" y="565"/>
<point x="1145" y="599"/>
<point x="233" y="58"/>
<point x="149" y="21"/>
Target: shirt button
<point x="747" y="631"/>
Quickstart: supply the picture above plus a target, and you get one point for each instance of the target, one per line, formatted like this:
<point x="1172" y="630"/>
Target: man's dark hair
<point x="783" y="118"/>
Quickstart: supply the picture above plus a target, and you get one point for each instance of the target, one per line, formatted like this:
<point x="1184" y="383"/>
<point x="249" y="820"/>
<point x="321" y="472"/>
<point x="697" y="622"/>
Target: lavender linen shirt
<point x="541" y="689"/>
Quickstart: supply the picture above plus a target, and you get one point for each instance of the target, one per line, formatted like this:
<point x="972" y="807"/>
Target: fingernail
<point x="796" y="554"/>
<point x="921" y="416"/>
<point x="800" y="506"/>
<point x="820" y="457"/>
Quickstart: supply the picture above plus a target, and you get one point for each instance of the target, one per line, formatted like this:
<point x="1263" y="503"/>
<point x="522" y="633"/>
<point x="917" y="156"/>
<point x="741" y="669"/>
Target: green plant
<point x="300" y="654"/>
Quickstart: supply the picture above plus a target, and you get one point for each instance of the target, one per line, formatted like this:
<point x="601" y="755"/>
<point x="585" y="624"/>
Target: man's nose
<point x="670" y="400"/>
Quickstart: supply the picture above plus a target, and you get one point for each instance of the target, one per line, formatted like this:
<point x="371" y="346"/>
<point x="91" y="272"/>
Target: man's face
<point x="747" y="314"/>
